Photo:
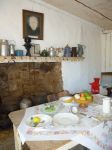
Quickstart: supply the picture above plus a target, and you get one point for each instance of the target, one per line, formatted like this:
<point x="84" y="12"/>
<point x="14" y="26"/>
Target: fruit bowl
<point x="83" y="99"/>
<point x="83" y="103"/>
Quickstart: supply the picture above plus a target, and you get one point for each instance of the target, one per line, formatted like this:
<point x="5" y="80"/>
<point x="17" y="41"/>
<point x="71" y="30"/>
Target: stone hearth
<point x="18" y="80"/>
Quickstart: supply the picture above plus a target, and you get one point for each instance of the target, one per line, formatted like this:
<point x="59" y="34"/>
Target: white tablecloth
<point x="96" y="135"/>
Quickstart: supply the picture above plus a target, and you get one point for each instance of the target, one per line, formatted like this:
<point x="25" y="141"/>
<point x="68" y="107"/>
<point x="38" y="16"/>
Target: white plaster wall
<point x="60" y="28"/>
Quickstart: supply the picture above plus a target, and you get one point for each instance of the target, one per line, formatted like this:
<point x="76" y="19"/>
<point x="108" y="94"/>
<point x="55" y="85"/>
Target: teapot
<point x="52" y="52"/>
<point x="67" y="51"/>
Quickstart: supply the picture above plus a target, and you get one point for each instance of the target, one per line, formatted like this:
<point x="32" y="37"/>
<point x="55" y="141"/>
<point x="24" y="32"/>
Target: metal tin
<point x="4" y="48"/>
<point x="12" y="49"/>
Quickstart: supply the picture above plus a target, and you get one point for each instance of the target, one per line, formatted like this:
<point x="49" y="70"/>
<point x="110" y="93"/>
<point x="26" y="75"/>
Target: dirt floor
<point x="7" y="139"/>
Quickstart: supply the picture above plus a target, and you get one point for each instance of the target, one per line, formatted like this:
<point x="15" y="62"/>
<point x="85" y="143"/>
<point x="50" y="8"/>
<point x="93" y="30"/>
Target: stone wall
<point x="19" y="80"/>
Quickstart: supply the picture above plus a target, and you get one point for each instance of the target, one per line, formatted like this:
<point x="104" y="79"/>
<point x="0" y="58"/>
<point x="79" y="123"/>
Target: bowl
<point x="67" y="100"/>
<point x="83" y="103"/>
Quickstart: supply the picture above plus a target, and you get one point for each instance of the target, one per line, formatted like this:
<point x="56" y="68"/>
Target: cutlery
<point x="94" y="118"/>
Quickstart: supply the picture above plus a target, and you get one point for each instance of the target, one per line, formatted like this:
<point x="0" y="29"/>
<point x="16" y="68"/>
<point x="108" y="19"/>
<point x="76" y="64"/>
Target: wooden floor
<point x="6" y="139"/>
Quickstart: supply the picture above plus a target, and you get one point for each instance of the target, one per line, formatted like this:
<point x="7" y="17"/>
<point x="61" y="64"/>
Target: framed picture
<point x="35" y="50"/>
<point x="33" y="24"/>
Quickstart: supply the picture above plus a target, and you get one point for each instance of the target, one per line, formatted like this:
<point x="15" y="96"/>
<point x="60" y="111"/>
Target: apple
<point x="82" y="94"/>
<point x="88" y="97"/>
<point x="77" y="96"/>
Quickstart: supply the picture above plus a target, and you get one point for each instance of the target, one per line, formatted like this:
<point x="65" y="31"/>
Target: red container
<point x="95" y="86"/>
<point x="97" y="80"/>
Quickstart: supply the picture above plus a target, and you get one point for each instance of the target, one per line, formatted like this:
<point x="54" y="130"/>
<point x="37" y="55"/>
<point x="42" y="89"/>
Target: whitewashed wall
<point x="60" y="28"/>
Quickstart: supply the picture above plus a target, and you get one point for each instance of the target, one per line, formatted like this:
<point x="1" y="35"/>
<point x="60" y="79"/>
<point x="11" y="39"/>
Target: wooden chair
<point x="52" y="97"/>
<point x="56" y="96"/>
<point x="63" y="93"/>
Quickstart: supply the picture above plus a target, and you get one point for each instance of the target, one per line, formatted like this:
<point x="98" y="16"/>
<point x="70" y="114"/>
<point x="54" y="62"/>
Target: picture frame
<point x="35" y="50"/>
<point x="33" y="24"/>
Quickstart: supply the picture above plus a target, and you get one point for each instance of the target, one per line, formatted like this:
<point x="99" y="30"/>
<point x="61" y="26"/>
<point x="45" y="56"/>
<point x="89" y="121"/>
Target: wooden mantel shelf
<point x="11" y="59"/>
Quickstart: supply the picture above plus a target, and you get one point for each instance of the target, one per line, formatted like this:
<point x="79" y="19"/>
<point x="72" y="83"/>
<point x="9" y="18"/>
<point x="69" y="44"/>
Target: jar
<point x="12" y="49"/>
<point x="106" y="105"/>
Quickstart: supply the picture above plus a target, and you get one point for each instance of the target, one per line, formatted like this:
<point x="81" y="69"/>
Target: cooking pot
<point x="4" y="121"/>
<point x="7" y="108"/>
<point x="25" y="103"/>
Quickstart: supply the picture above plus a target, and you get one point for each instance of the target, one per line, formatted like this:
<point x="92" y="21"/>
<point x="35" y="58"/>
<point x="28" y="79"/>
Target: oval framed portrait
<point x="33" y="24"/>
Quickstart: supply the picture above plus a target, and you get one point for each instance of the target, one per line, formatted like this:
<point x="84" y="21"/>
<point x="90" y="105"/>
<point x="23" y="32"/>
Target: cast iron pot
<point x="6" y="108"/>
<point x="4" y="121"/>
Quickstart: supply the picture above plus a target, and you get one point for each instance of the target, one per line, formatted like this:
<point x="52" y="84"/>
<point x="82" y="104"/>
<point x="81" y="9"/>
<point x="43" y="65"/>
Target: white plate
<point x="65" y="120"/>
<point x="45" y="120"/>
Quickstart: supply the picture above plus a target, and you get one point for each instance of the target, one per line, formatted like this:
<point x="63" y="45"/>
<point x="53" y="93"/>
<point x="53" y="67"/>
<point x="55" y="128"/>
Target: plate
<point x="44" y="120"/>
<point x="65" y="120"/>
<point x="50" y="109"/>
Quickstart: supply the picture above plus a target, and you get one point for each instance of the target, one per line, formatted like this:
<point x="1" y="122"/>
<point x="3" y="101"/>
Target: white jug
<point x="106" y="105"/>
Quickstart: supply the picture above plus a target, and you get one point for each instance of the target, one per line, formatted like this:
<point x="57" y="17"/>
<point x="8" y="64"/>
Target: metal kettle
<point x="52" y="52"/>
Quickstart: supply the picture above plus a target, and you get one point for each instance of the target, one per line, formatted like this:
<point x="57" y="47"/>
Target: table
<point x="16" y="118"/>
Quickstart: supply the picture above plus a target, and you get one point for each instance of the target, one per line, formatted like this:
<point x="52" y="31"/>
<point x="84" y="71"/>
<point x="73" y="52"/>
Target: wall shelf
<point x="11" y="59"/>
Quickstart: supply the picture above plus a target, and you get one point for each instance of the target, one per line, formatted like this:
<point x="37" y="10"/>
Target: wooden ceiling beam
<point x="96" y="11"/>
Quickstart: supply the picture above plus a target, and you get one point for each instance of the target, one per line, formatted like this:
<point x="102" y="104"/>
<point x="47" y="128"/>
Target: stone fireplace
<point x="27" y="80"/>
<point x="18" y="80"/>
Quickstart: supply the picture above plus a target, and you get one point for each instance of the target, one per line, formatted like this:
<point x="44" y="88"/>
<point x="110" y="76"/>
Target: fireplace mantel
<point x="10" y="59"/>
